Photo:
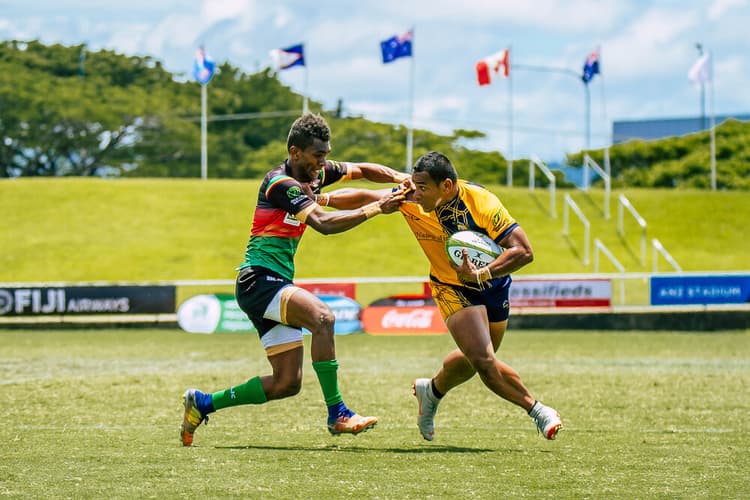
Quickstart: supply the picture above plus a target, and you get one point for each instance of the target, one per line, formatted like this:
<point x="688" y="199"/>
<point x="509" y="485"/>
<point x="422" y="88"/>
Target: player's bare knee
<point x="323" y="321"/>
<point x="288" y="387"/>
<point x="483" y="365"/>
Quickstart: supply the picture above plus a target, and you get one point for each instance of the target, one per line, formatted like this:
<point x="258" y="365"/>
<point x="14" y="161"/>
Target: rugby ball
<point x="482" y="250"/>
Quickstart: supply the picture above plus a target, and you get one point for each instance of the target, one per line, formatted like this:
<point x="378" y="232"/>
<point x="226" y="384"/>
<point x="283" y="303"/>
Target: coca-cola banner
<point x="395" y="320"/>
<point x="561" y="293"/>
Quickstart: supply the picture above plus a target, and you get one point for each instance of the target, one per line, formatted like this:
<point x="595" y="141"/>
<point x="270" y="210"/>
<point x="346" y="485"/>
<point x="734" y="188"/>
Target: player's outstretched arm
<point x="376" y="172"/>
<point x="350" y="198"/>
<point x="331" y="222"/>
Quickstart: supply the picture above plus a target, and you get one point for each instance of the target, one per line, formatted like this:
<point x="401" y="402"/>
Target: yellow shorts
<point x="451" y="299"/>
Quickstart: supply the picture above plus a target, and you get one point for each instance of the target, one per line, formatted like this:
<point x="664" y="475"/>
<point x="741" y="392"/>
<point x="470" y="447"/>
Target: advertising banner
<point x="220" y="313"/>
<point x="394" y="320"/>
<point x="561" y="293"/>
<point x="76" y="300"/>
<point x="338" y="289"/>
<point x="718" y="289"/>
<point x="213" y="314"/>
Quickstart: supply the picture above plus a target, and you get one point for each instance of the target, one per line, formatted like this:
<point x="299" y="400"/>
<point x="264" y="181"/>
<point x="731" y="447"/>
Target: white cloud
<point x="719" y="8"/>
<point x="652" y="45"/>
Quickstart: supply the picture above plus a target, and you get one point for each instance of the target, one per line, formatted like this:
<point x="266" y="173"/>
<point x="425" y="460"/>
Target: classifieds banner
<point x="76" y="300"/>
<point x="561" y="293"/>
<point x="717" y="289"/>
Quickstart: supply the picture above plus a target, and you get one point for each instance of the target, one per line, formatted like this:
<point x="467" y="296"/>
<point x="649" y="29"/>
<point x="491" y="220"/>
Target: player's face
<point x="309" y="161"/>
<point x="427" y="193"/>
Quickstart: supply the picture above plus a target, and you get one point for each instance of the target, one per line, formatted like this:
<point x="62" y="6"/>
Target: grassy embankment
<point x="73" y="229"/>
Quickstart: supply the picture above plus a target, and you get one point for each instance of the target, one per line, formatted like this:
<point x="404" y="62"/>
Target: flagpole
<point x="713" y="128"/>
<point x="588" y="116"/>
<point x="410" y="132"/>
<point x="204" y="152"/>
<point x="699" y="46"/>
<point x="510" y="119"/>
<point x="305" y="107"/>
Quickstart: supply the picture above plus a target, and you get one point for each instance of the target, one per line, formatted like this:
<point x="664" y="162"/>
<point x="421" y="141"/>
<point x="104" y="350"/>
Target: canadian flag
<point x="492" y="64"/>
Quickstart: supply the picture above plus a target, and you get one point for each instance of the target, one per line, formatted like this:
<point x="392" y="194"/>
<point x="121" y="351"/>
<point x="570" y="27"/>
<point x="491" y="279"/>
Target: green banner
<point x="217" y="313"/>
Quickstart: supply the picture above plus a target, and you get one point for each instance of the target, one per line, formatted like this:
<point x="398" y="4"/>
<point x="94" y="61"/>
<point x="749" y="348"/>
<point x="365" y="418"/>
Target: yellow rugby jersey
<point x="474" y="208"/>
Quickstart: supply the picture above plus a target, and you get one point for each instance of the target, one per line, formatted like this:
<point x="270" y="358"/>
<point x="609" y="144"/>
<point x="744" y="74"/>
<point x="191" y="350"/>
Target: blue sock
<point x="338" y="410"/>
<point x="204" y="402"/>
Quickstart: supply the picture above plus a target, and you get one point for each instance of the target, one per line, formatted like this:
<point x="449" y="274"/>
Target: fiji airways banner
<point x="77" y="300"/>
<point x="561" y="293"/>
<point x="681" y="290"/>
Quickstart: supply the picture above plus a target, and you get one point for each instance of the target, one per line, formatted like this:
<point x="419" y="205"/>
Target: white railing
<point x="569" y="204"/>
<point x="659" y="249"/>
<point x="624" y="203"/>
<point x="589" y="164"/>
<point x="536" y="162"/>
<point x="601" y="247"/>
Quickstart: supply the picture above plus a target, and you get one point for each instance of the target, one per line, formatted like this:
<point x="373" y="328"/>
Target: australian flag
<point x="203" y="67"/>
<point x="396" y="46"/>
<point x="590" y="67"/>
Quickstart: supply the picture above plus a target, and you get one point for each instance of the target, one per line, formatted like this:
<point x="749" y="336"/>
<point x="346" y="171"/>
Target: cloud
<point x="719" y="8"/>
<point x="653" y="45"/>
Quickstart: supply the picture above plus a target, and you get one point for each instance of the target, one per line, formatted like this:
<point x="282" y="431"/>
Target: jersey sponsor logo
<point x="273" y="278"/>
<point x="293" y="192"/>
<point x="497" y="220"/>
<point x="291" y="220"/>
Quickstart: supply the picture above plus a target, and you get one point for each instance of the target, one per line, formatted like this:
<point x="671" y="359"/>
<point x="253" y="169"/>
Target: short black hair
<point x="307" y="128"/>
<point x="437" y="165"/>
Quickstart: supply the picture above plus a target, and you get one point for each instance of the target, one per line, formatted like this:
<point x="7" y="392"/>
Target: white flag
<point x="700" y="72"/>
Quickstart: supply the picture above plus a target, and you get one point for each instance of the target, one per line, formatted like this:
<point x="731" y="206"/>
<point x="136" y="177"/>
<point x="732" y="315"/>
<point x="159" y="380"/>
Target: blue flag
<point x="203" y="67"/>
<point x="288" y="57"/>
<point x="590" y="67"/>
<point x="396" y="46"/>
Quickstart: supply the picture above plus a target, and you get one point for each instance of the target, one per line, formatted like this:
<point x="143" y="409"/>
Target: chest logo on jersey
<point x="497" y="220"/>
<point x="293" y="192"/>
<point x="291" y="220"/>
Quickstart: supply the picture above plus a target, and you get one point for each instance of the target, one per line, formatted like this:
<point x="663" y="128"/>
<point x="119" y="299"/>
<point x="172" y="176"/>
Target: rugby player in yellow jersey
<point x="290" y="200"/>
<point x="473" y="302"/>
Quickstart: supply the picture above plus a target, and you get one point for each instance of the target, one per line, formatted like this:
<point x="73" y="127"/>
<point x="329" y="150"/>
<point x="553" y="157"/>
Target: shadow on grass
<point x="572" y="246"/>
<point x="540" y="205"/>
<point x="361" y="449"/>
<point x="634" y="256"/>
<point x="593" y="204"/>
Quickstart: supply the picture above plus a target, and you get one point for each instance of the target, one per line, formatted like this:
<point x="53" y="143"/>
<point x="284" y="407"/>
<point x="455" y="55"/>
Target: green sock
<point x="326" y="371"/>
<point x="249" y="393"/>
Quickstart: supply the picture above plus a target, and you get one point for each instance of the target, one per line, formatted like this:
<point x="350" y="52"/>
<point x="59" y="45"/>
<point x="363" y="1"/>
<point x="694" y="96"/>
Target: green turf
<point x="94" y="414"/>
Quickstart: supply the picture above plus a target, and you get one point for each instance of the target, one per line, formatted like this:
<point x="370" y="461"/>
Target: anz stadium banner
<point x="76" y="300"/>
<point x="708" y="289"/>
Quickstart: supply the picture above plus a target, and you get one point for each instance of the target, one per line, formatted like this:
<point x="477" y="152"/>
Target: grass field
<point x="94" y="414"/>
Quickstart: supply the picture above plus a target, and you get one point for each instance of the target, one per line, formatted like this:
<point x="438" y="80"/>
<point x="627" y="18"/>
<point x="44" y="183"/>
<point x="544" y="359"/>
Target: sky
<point x="646" y="49"/>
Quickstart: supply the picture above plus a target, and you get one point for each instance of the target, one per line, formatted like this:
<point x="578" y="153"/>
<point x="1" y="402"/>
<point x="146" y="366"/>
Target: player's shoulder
<point x="475" y="191"/>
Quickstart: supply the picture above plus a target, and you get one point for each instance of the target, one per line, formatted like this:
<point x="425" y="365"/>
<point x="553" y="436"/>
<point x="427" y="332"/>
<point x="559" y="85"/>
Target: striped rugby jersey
<point x="276" y="233"/>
